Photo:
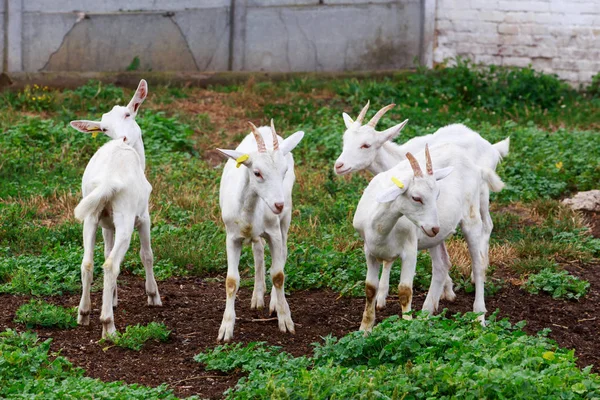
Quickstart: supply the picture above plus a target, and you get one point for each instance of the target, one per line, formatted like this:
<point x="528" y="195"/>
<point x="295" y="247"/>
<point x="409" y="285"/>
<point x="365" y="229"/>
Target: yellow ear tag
<point x="397" y="182"/>
<point x="241" y="159"/>
<point x="95" y="131"/>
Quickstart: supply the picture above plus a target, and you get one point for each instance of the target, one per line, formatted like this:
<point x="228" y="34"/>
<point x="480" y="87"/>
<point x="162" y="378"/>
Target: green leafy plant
<point x="135" y="336"/>
<point x="434" y="357"/>
<point x="558" y="284"/>
<point x="594" y="88"/>
<point x="32" y="98"/>
<point x="29" y="370"/>
<point x="40" y="313"/>
<point x="240" y="357"/>
<point x="134" y="65"/>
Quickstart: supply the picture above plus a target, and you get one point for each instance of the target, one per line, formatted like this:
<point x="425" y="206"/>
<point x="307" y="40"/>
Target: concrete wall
<point x="559" y="36"/>
<point x="213" y="35"/>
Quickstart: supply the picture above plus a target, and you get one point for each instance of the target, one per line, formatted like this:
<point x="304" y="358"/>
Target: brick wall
<point x="557" y="36"/>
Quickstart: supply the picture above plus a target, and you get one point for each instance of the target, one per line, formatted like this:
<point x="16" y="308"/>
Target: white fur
<point x="249" y="210"/>
<point x="115" y="197"/>
<point x="382" y="154"/>
<point x="394" y="225"/>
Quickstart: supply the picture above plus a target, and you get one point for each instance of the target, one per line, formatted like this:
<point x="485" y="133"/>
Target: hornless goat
<point x="366" y="148"/>
<point x="256" y="203"/>
<point x="403" y="210"/>
<point x="115" y="196"/>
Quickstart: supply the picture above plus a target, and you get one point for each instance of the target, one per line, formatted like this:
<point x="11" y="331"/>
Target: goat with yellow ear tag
<point x="405" y="209"/>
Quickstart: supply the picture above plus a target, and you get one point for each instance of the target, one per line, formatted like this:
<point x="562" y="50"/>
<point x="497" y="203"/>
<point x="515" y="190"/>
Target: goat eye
<point x="418" y="199"/>
<point x="365" y="146"/>
<point x="127" y="115"/>
<point x="104" y="129"/>
<point x="257" y="174"/>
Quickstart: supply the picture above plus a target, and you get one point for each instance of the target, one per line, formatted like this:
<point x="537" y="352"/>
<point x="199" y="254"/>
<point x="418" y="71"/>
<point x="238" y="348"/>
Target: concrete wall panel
<point x="113" y="6"/>
<point x="193" y="35"/>
<point x="338" y="38"/>
<point x="110" y="42"/>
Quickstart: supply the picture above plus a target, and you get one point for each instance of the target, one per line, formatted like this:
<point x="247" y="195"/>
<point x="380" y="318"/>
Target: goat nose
<point x="435" y="230"/>
<point x="339" y="165"/>
<point x="279" y="206"/>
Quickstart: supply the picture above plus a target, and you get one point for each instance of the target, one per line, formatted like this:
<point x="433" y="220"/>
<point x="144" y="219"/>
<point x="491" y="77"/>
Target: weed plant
<point x="425" y="358"/>
<point x="135" y="336"/>
<point x="39" y="313"/>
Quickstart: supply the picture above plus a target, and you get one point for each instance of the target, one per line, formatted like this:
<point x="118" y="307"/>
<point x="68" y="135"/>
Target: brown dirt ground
<point x="193" y="309"/>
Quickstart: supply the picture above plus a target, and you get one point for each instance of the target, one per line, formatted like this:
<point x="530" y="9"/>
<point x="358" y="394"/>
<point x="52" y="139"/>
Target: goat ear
<point x="85" y="126"/>
<point x="441" y="173"/>
<point x="291" y="142"/>
<point x="393" y="132"/>
<point x="347" y="120"/>
<point x="390" y="194"/>
<point x="138" y="98"/>
<point x="236" y="155"/>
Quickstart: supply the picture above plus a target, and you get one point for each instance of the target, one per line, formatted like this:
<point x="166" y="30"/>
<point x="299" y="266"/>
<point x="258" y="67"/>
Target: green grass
<point x="555" y="148"/>
<point x="424" y="358"/>
<point x="28" y="369"/>
<point x="39" y="313"/>
<point x="135" y="336"/>
<point x="44" y="157"/>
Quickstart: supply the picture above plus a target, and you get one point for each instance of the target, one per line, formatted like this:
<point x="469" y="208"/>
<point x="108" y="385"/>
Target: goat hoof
<point x="225" y="332"/>
<point x="287" y="325"/>
<point x="154" y="300"/>
<point x="481" y="320"/>
<point x="108" y="329"/>
<point x="366" y="327"/>
<point x="258" y="302"/>
<point x="448" y="296"/>
<point x="272" y="305"/>
<point x="83" y="318"/>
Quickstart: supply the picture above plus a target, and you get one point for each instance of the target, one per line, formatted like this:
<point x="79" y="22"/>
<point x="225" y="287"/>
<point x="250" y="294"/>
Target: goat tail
<point x="502" y="147"/>
<point x="492" y="179"/>
<point x="94" y="202"/>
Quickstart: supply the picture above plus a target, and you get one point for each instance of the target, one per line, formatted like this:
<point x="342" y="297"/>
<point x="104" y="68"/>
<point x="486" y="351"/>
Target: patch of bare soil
<point x="193" y="309"/>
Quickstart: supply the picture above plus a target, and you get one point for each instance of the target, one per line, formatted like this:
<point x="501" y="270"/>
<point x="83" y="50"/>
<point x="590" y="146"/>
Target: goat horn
<point x="414" y="164"/>
<point x="380" y="114"/>
<point x="275" y="140"/>
<point x="259" y="139"/>
<point x="362" y="114"/>
<point x="428" y="164"/>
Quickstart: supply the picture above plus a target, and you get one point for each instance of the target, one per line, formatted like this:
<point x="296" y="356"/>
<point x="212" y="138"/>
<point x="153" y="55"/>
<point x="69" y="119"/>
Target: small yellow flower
<point x="33" y="98"/>
<point x="548" y="355"/>
<point x="559" y="165"/>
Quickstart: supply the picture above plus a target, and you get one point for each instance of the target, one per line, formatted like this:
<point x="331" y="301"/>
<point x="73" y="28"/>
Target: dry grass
<point x="49" y="211"/>
<point x="527" y="215"/>
<point x="500" y="255"/>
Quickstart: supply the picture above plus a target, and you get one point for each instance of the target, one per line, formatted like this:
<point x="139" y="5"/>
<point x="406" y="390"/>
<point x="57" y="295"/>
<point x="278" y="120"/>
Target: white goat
<point x="366" y="148"/>
<point x="403" y="210"/>
<point x="256" y="203"/>
<point x="115" y="196"/>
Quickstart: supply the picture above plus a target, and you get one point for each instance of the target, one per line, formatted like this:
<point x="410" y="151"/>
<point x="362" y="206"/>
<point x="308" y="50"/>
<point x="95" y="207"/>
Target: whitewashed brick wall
<point x="556" y="36"/>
